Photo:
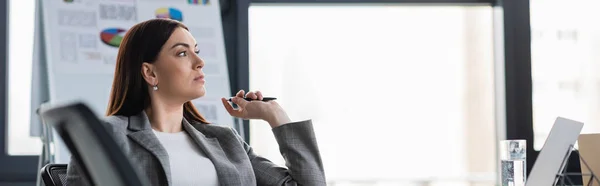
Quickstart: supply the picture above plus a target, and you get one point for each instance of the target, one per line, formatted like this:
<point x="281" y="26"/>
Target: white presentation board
<point x="549" y="162"/>
<point x="81" y="39"/>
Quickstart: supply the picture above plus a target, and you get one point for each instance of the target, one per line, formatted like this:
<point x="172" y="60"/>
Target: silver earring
<point x="155" y="87"/>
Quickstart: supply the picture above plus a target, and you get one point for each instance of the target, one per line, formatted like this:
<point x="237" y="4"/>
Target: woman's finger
<point x="241" y="102"/>
<point x="229" y="108"/>
<point x="251" y="95"/>
<point x="240" y="94"/>
<point x="259" y="95"/>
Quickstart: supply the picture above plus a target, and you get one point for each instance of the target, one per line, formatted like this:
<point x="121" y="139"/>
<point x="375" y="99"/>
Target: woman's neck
<point x="164" y="117"/>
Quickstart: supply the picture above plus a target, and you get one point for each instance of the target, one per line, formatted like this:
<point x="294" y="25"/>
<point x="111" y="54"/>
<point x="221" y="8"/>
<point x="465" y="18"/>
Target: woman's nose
<point x="199" y="63"/>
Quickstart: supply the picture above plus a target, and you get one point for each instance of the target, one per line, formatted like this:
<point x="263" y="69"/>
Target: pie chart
<point x="195" y="2"/>
<point x="112" y="36"/>
<point x="169" y="13"/>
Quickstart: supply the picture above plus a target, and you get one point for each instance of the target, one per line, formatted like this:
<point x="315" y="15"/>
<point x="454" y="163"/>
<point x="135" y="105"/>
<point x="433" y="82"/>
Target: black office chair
<point x="91" y="145"/>
<point x="54" y="174"/>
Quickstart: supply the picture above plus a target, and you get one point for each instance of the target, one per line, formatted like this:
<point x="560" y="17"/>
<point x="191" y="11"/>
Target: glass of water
<point x="513" y="162"/>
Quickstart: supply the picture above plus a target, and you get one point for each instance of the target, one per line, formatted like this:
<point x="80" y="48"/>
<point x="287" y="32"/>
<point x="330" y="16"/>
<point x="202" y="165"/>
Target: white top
<point x="189" y="164"/>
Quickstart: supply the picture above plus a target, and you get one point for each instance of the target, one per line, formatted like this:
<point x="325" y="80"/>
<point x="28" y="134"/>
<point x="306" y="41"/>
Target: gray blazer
<point x="234" y="160"/>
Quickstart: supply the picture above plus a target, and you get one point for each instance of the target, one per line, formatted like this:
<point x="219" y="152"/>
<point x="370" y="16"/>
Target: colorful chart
<point x="170" y="13"/>
<point x="112" y="36"/>
<point x="195" y="2"/>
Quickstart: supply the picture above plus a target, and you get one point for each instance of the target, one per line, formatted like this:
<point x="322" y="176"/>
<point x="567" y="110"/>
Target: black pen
<point x="265" y="99"/>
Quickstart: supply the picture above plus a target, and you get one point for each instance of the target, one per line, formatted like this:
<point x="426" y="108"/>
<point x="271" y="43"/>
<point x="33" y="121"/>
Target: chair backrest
<point x="54" y="174"/>
<point x="88" y="138"/>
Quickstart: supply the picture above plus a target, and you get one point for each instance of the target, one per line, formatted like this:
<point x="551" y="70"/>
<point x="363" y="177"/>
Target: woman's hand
<point x="269" y="111"/>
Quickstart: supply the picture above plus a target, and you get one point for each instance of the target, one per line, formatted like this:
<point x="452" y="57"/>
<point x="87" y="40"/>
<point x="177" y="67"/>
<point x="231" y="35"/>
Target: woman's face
<point x="178" y="68"/>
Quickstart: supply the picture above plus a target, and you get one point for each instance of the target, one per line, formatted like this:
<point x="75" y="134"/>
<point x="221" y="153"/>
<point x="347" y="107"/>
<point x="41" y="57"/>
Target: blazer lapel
<point x="227" y="172"/>
<point x="144" y="136"/>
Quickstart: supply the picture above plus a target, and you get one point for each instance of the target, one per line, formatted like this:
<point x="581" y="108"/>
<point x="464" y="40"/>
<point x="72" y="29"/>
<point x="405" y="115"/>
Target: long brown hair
<point x="142" y="43"/>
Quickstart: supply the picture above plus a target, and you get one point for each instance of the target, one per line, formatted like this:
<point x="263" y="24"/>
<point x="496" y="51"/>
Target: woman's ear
<point x="149" y="73"/>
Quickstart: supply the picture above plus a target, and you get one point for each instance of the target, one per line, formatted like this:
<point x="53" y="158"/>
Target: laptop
<point x="549" y="163"/>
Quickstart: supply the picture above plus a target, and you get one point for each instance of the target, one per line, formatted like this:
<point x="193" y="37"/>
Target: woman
<point x="150" y="114"/>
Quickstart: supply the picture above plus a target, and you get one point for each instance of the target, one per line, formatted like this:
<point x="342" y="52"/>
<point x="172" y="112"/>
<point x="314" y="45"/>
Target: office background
<point x="444" y="79"/>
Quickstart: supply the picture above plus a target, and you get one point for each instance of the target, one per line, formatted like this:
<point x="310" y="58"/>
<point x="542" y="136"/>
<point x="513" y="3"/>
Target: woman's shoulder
<point x="212" y="127"/>
<point x="116" y="122"/>
<point x="218" y="130"/>
<point x="215" y="126"/>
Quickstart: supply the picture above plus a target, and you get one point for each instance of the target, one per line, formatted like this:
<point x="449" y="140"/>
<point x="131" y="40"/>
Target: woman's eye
<point x="197" y="51"/>
<point x="182" y="54"/>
